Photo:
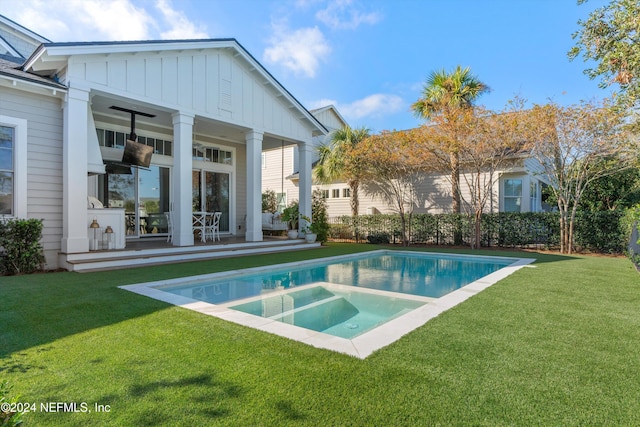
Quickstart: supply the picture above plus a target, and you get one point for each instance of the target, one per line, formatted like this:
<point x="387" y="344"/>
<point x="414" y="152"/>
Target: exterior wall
<point x="210" y="83"/>
<point x="274" y="176"/>
<point x="44" y="161"/>
<point x="433" y="193"/>
<point x="23" y="46"/>
<point x="328" y="118"/>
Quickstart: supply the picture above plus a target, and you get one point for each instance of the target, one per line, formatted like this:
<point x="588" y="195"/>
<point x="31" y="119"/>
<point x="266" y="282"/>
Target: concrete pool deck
<point x="360" y="346"/>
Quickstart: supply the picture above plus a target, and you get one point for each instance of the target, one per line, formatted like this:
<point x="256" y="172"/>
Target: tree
<point x="620" y="190"/>
<point x="577" y="145"/>
<point x="611" y="38"/>
<point x="486" y="143"/>
<point x="338" y="161"/>
<point x="393" y="164"/>
<point x="447" y="95"/>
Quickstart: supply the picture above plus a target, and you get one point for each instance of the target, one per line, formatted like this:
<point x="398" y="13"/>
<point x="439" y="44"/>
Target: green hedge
<point x="594" y="231"/>
<point x="20" y="249"/>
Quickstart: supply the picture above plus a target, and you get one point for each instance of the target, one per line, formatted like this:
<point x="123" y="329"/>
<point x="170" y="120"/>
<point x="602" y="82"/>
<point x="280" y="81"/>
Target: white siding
<point x="274" y="178"/>
<point x="211" y="84"/>
<point x="44" y="161"/>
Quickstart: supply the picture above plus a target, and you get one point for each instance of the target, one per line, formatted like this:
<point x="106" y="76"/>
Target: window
<point x="533" y="196"/>
<point x="109" y="138"/>
<point x="324" y="194"/>
<point x="13" y="167"/>
<point x="6" y="170"/>
<point x="335" y="193"/>
<point x="512" y="195"/>
<point x="281" y="201"/>
<point x="346" y="192"/>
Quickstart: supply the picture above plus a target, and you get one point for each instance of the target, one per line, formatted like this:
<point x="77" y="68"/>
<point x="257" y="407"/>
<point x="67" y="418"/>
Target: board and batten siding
<point x="274" y="176"/>
<point x="44" y="161"/>
<point x="210" y="83"/>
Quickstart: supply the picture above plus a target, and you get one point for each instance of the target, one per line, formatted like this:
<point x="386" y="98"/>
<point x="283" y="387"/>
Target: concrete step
<point x="109" y="260"/>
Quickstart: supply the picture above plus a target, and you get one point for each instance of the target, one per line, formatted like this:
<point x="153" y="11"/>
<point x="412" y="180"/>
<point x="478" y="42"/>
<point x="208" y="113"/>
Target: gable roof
<point x="51" y="58"/>
<point x="12" y="70"/>
<point x="16" y="40"/>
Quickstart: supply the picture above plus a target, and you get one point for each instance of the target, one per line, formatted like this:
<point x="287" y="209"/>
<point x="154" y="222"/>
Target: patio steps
<point x="109" y="260"/>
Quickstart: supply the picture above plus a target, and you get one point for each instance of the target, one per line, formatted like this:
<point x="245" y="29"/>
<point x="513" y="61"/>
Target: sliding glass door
<point x="210" y="193"/>
<point x="144" y="196"/>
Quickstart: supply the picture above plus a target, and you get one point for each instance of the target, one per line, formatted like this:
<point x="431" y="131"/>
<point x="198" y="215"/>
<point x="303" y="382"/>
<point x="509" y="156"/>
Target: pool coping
<point x="360" y="346"/>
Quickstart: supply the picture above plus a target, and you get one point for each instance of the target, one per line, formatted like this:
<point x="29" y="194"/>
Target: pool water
<point x="404" y="272"/>
<point x="359" y="292"/>
<point x="336" y="312"/>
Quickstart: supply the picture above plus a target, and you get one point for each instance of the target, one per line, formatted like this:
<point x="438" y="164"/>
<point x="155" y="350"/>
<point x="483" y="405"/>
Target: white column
<point x="305" y="151"/>
<point x="182" y="182"/>
<point x="254" y="186"/>
<point x="74" y="173"/>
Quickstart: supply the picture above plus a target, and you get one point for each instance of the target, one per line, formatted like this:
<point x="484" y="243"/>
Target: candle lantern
<point x="108" y="238"/>
<point x="95" y="235"/>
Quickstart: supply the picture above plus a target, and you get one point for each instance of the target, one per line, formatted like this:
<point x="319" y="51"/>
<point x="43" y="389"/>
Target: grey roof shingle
<point x="9" y="67"/>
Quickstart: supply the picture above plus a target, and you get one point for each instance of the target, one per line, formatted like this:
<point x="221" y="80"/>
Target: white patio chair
<point x="169" y="216"/>
<point x="212" y="226"/>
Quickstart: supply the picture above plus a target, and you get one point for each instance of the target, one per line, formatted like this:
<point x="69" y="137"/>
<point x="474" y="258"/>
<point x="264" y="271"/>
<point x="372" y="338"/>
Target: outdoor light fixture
<point x="95" y="235"/>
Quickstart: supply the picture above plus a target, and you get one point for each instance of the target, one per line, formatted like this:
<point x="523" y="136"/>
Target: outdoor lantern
<point x="95" y="235"/>
<point x="108" y="238"/>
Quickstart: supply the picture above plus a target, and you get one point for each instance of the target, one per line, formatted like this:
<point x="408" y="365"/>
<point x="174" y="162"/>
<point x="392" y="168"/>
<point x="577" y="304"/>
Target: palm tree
<point x="337" y="163"/>
<point x="444" y="94"/>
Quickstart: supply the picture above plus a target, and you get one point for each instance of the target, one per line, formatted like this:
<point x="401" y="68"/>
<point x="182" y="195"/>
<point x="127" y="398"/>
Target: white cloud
<point x="98" y="20"/>
<point x="301" y="50"/>
<point x="374" y="106"/>
<point x="344" y="14"/>
<point x="180" y="26"/>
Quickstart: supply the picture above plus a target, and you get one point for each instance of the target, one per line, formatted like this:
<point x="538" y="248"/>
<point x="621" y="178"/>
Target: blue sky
<point x="368" y="58"/>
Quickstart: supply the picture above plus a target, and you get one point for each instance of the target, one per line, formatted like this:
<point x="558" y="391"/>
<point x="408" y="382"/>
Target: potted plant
<point x="290" y="215"/>
<point x="308" y="229"/>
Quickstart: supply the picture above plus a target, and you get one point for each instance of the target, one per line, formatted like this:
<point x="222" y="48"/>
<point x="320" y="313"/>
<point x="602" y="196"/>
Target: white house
<point x="517" y="188"/>
<point x="207" y="108"/>
<point x="280" y="166"/>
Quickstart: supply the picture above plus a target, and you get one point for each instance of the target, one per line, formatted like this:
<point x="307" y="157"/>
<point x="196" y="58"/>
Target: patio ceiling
<point x="162" y="122"/>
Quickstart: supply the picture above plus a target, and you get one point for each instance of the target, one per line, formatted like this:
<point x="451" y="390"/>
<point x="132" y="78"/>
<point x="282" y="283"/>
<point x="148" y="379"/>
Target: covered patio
<point x="206" y="108"/>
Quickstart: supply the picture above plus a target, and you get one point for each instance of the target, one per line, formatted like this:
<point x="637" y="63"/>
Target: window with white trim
<point x="533" y="196"/>
<point x="335" y="193"/>
<point x="512" y="196"/>
<point x="7" y="170"/>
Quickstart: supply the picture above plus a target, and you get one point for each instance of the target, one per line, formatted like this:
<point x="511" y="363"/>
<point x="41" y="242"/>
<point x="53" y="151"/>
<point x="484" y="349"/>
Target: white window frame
<point x="504" y="197"/>
<point x="19" y="164"/>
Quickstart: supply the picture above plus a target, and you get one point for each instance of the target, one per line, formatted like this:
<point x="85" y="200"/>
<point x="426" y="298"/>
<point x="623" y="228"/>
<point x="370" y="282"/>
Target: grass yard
<point x="552" y="345"/>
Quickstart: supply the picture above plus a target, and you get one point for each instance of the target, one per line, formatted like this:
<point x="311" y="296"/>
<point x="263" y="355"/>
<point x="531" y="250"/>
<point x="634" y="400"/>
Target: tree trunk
<point x="477" y="229"/>
<point x="455" y="193"/>
<point x="355" y="203"/>
<point x="354" y="185"/>
<point x="455" y="182"/>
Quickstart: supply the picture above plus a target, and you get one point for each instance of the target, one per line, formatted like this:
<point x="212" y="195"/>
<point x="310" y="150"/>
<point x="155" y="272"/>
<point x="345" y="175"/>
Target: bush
<point x="20" y="249"/>
<point x="378" y="238"/>
<point x="319" y="216"/>
<point x="269" y="201"/>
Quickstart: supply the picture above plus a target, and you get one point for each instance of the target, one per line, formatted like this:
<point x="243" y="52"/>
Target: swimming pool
<point x="354" y="303"/>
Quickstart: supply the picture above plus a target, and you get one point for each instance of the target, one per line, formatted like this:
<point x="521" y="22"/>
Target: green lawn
<point x="552" y="345"/>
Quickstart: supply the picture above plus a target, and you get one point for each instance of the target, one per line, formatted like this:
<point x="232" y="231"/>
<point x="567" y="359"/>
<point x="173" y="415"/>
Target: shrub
<point x="20" y="249"/>
<point x="378" y="238"/>
<point x="269" y="201"/>
<point x="320" y="219"/>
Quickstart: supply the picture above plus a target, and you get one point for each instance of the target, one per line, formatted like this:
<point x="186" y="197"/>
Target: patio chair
<point x="212" y="226"/>
<point x="169" y="216"/>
